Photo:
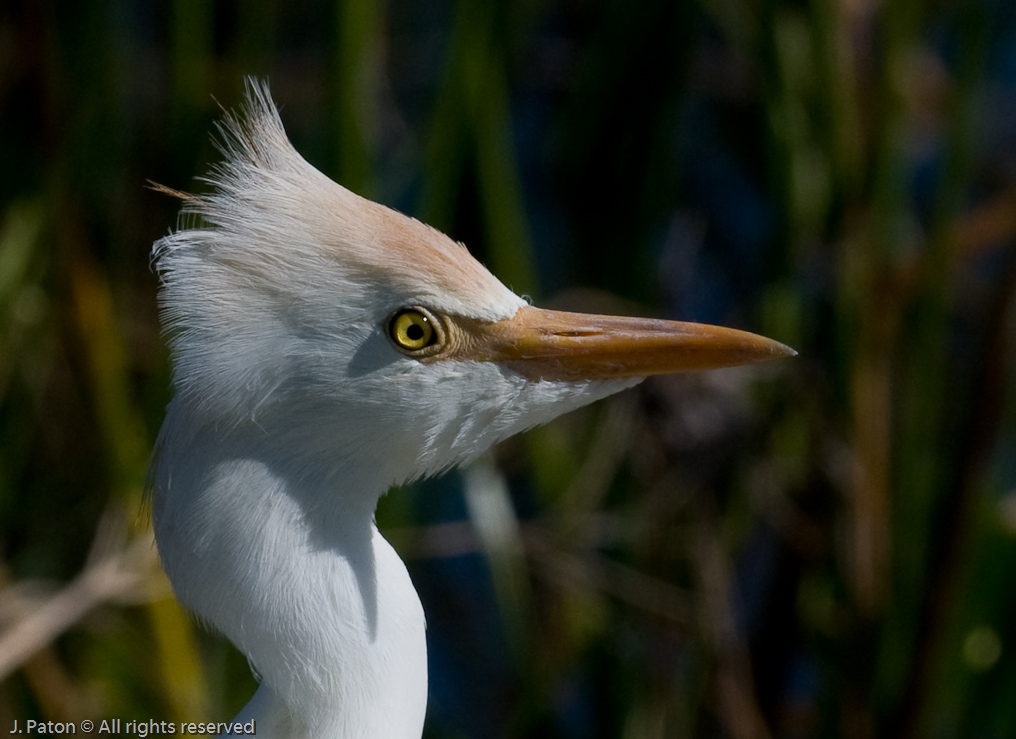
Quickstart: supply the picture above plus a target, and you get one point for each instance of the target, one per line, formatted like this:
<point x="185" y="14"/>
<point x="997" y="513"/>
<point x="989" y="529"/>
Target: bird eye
<point x="412" y="331"/>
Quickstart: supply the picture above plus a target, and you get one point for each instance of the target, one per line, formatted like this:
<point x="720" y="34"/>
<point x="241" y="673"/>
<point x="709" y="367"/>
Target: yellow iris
<point x="411" y="330"/>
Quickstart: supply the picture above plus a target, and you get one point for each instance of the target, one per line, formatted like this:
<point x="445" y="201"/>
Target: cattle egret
<point x="326" y="348"/>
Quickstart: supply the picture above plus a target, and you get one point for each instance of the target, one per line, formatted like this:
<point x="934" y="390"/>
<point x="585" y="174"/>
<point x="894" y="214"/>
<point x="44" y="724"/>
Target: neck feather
<point x="300" y="580"/>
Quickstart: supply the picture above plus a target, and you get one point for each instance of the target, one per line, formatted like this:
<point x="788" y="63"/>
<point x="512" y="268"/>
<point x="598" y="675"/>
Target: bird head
<point x="346" y="331"/>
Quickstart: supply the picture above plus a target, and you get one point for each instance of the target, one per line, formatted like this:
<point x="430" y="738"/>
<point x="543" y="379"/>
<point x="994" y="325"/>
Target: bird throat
<point x="292" y="569"/>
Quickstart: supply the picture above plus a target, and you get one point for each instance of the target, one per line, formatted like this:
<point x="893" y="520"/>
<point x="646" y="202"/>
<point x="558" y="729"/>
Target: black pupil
<point x="415" y="332"/>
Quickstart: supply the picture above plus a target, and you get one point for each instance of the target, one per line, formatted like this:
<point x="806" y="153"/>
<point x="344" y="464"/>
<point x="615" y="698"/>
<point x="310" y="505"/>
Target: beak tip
<point x="758" y="348"/>
<point x="782" y="350"/>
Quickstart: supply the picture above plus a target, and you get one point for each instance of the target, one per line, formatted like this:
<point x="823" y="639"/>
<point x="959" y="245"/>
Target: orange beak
<point x="553" y="345"/>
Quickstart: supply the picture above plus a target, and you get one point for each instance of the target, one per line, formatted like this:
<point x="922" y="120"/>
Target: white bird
<point x="326" y="348"/>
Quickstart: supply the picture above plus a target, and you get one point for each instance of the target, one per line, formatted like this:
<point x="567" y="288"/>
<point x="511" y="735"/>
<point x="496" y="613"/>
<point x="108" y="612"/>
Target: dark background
<point x="824" y="546"/>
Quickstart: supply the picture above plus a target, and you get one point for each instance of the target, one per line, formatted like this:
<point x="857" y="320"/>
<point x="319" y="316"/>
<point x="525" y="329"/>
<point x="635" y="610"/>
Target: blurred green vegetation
<point x="823" y="547"/>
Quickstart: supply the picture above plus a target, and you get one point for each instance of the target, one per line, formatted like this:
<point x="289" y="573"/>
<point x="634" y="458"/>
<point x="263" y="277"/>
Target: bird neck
<point x="291" y="568"/>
